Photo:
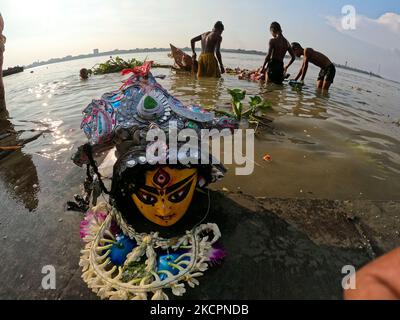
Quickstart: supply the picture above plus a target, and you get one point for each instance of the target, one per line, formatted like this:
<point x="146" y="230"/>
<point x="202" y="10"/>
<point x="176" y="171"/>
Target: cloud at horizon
<point x="382" y="33"/>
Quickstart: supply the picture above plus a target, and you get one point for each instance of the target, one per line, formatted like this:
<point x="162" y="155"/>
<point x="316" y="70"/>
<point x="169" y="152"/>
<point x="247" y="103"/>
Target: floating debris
<point x="246" y="74"/>
<point x="118" y="64"/>
<point x="297" y="85"/>
<point x="267" y="157"/>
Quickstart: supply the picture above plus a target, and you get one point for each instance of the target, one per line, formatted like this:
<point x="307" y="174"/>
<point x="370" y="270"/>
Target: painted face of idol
<point x="166" y="195"/>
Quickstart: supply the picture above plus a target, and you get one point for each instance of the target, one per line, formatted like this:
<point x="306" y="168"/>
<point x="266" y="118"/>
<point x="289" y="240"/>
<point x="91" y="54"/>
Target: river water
<point x="341" y="145"/>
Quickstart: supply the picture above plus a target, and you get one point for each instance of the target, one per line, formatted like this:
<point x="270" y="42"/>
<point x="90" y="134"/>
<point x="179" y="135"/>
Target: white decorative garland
<point x="105" y="278"/>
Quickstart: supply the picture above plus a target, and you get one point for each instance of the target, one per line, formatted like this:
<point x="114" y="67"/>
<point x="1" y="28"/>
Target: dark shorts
<point x="275" y="71"/>
<point x="327" y="73"/>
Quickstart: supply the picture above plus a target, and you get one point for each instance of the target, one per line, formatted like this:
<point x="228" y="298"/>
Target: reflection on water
<point x="309" y="105"/>
<point x="18" y="173"/>
<point x="341" y="145"/>
<point x="207" y="91"/>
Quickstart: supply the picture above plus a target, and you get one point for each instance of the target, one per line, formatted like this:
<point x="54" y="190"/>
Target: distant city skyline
<point x="42" y="29"/>
<point x="121" y="52"/>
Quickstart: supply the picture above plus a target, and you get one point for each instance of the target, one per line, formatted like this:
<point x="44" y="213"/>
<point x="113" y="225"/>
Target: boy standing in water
<point x="210" y="55"/>
<point x="328" y="70"/>
<point x="2" y="43"/>
<point x="278" y="46"/>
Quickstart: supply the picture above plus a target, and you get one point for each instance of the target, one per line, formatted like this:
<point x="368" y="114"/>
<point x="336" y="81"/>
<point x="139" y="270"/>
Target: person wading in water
<point x="210" y="55"/>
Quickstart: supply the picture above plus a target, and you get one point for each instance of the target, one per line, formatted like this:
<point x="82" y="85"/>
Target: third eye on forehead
<point x="169" y="189"/>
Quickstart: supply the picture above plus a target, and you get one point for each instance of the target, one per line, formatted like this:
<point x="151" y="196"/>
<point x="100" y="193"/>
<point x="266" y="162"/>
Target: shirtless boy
<point x="278" y="46"/>
<point x="328" y="70"/>
<point x="210" y="55"/>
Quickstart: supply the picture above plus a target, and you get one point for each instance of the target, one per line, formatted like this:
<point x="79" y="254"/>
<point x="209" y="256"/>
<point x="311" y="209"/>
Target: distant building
<point x="95" y="51"/>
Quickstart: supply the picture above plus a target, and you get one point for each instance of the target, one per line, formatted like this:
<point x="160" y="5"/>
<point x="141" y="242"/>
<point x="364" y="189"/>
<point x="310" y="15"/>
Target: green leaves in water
<point x="237" y="94"/>
<point x="118" y="64"/>
<point x="237" y="105"/>
<point x="256" y="104"/>
<point x="255" y="100"/>
<point x="297" y="85"/>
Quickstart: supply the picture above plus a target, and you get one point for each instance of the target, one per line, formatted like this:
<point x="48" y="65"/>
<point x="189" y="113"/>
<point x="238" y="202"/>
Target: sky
<point x="43" y="29"/>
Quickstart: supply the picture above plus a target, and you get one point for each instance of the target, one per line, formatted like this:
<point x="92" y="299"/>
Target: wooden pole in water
<point x="2" y="43"/>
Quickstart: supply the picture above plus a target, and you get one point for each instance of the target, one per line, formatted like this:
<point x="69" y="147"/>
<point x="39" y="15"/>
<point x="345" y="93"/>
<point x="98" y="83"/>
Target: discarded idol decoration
<point x="153" y="235"/>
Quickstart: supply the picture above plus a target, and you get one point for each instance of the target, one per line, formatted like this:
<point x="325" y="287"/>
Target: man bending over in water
<point x="210" y="55"/>
<point x="328" y="70"/>
<point x="2" y="43"/>
<point x="278" y="46"/>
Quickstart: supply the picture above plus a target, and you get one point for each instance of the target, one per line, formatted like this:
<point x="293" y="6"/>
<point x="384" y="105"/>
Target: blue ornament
<point x="120" y="250"/>
<point x="116" y="104"/>
<point x="163" y="263"/>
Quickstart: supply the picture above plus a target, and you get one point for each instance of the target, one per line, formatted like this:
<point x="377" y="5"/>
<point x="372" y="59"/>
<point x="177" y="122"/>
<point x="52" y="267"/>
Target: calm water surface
<point x="344" y="145"/>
